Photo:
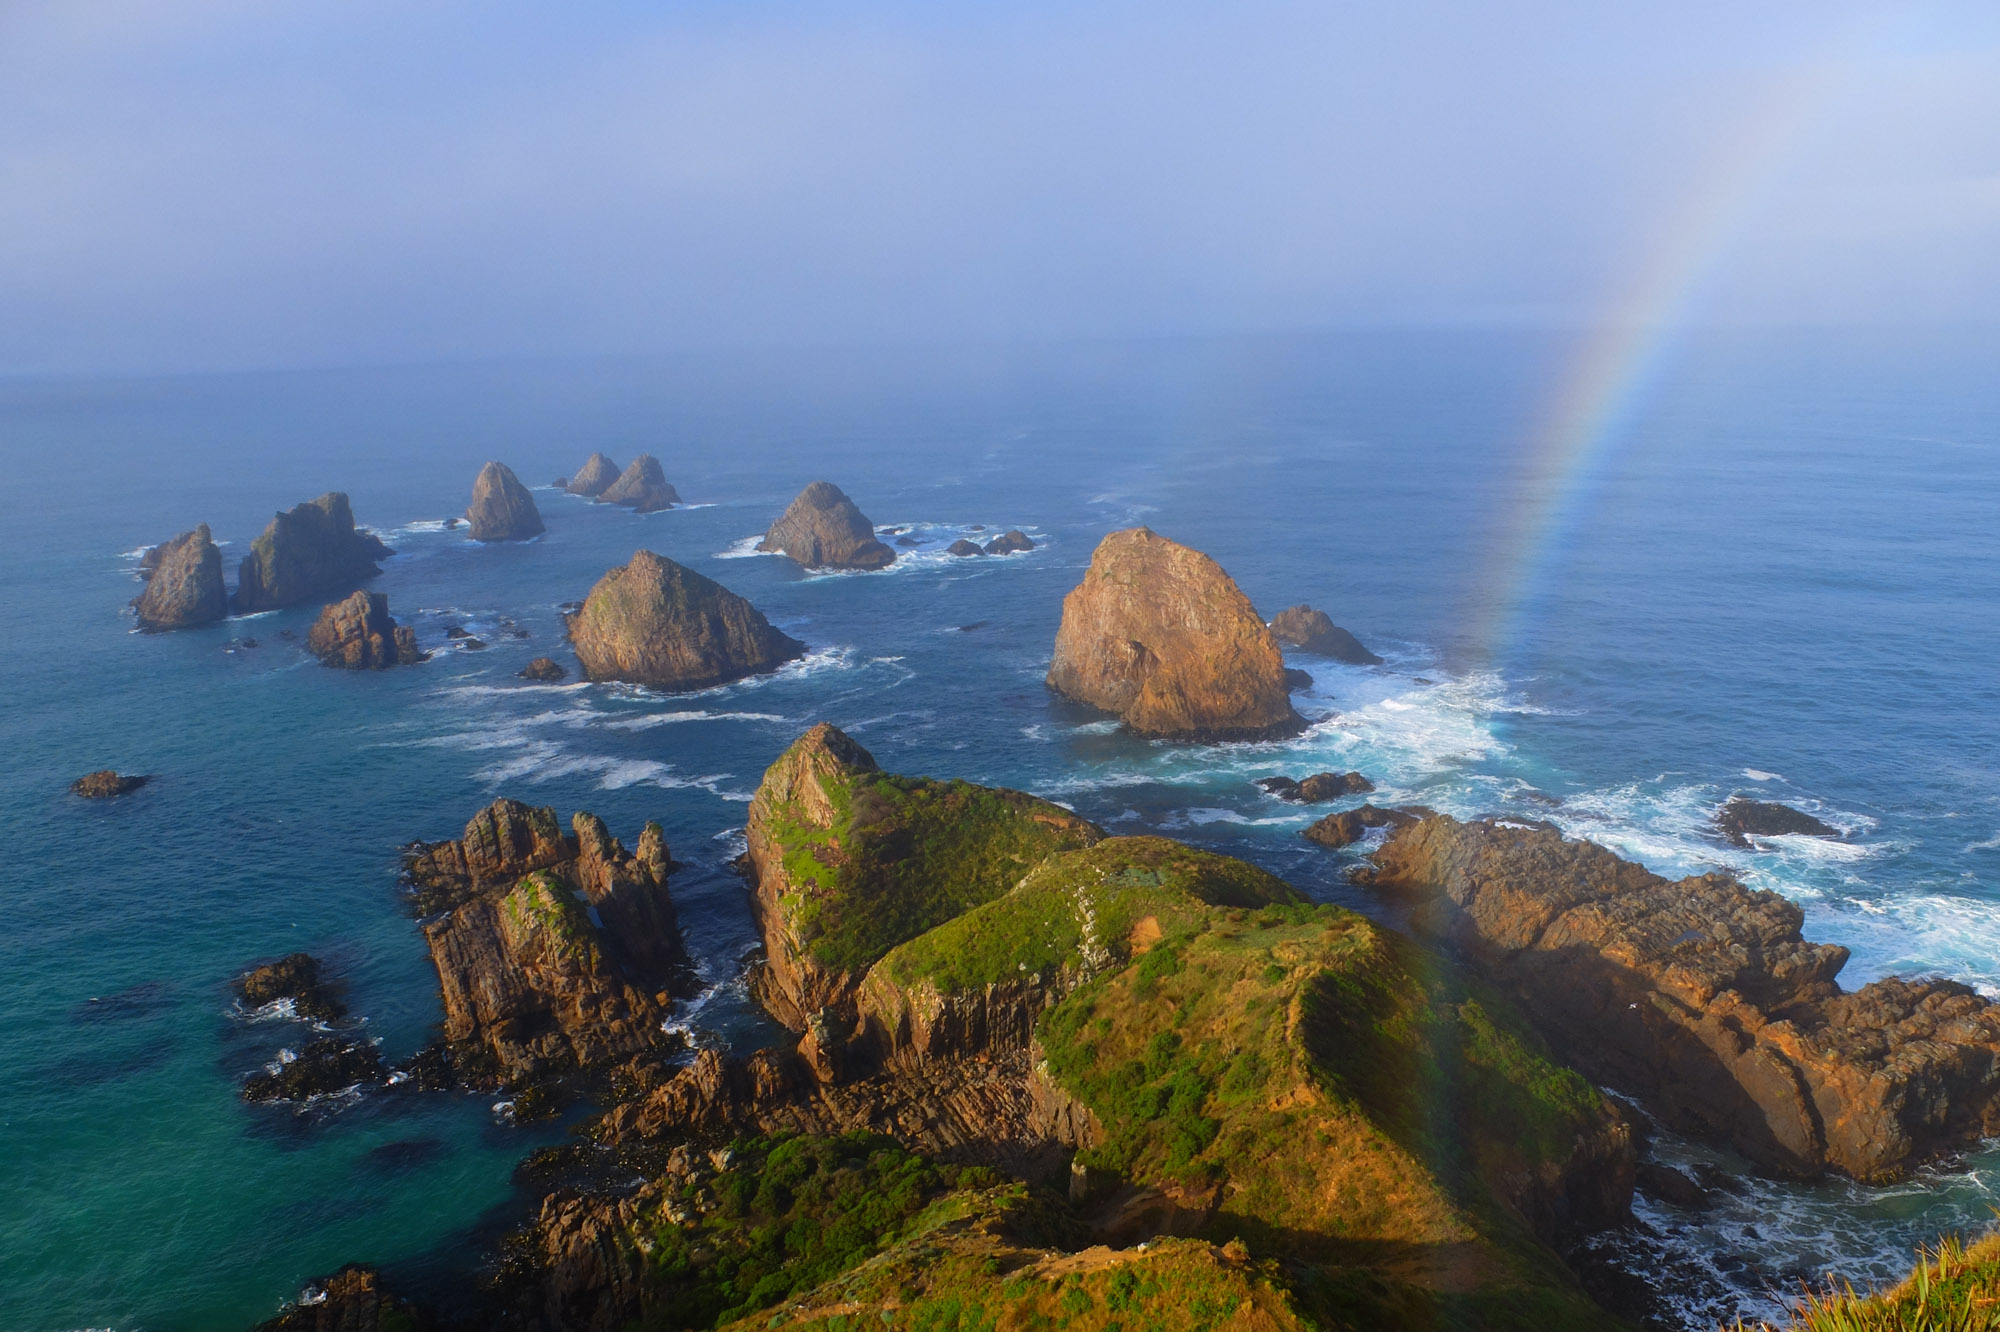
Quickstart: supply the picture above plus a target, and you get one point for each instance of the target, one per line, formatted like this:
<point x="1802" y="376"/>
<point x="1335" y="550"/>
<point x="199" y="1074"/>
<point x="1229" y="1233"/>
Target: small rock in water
<point x="1296" y="679"/>
<point x="105" y="783"/>
<point x="450" y="524"/>
<point x="1669" y="1185"/>
<point x="963" y="547"/>
<point x="1743" y="818"/>
<point x="908" y="541"/>
<point x="454" y="631"/>
<point x="1012" y="541"/>
<point x="976" y="624"/>
<point x="296" y="977"/>
<point x="329" y="1064"/>
<point x="561" y="483"/>
<point x="543" y="668"/>
<point x="1318" y="788"/>
<point x="249" y="643"/>
<point x="471" y="644"/>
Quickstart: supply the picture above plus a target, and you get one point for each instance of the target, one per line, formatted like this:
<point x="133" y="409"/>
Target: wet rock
<point x="822" y="529"/>
<point x="1310" y="630"/>
<point x="596" y="476"/>
<point x="296" y="977"/>
<point x="183" y="583"/>
<point x="456" y="631"/>
<point x="657" y="623"/>
<point x="310" y="550"/>
<point x="560" y="483"/>
<point x="328" y="1064"/>
<point x="1743" y="818"/>
<point x="963" y="547"/>
<point x="1350" y="826"/>
<point x="358" y="635"/>
<point x="1011" y="542"/>
<point x="106" y="783"/>
<point x="248" y="643"/>
<point x="351" y="1300"/>
<point x="545" y="669"/>
<point x="502" y="508"/>
<point x="1668" y="1185"/>
<point x="642" y="487"/>
<point x="451" y="524"/>
<point x="908" y="542"/>
<point x="471" y="644"/>
<point x="1318" y="788"/>
<point x="1296" y="679"/>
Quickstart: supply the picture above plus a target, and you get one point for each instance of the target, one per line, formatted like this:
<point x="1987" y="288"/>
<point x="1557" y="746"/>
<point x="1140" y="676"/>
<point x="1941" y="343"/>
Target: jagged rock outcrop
<point x="1318" y="788"/>
<point x="351" y="1300"/>
<point x="183" y="583"/>
<point x="1701" y="998"/>
<point x="1158" y="634"/>
<point x="309" y="550"/>
<point x="822" y="529"/>
<point x="358" y="635"/>
<point x="1351" y="825"/>
<point x="1742" y="818"/>
<point x="657" y="623"/>
<point x="502" y="509"/>
<point x="106" y="783"/>
<point x="553" y="950"/>
<point x="327" y="1065"/>
<point x="1308" y="629"/>
<point x="597" y="475"/>
<point x="545" y="669"/>
<point x="847" y="861"/>
<point x="1011" y="542"/>
<point x="642" y="487"/>
<point x="296" y="977"/>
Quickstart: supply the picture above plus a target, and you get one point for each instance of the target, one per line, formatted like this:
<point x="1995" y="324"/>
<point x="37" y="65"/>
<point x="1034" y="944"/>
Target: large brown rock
<point x="1312" y="631"/>
<point x="183" y="583"/>
<point x="642" y="486"/>
<point x="654" y="622"/>
<point x="1160" y="635"/>
<point x="1702" y="998"/>
<point x="309" y="550"/>
<point x="106" y="783"/>
<point x="502" y="509"/>
<point x="358" y="634"/>
<point x="596" y="476"/>
<point x="822" y="529"/>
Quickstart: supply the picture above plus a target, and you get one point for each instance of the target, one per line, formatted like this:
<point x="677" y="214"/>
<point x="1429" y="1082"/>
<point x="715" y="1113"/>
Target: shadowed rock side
<point x="310" y="550"/>
<point x="642" y="486"/>
<point x="1310" y="630"/>
<point x="654" y="622"/>
<point x="1701" y="998"/>
<point x="822" y="529"/>
<point x="183" y="583"/>
<point x="554" y="951"/>
<point x="1158" y="634"/>
<point x="502" y="509"/>
<point x="351" y="1300"/>
<point x="358" y="634"/>
<point x="847" y="861"/>
<point x="595" y="476"/>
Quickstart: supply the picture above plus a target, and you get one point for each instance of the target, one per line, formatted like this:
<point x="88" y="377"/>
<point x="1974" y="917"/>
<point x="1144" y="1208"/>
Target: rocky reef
<point x="597" y="475"/>
<point x="1011" y="542"/>
<point x="1701" y="998"/>
<point x="296" y="977"/>
<point x="183" y="583"/>
<point x="657" y="623"/>
<point x="106" y="783"/>
<point x="1158" y="634"/>
<point x="328" y="1065"/>
<point x="822" y="529"/>
<point x="1311" y="631"/>
<point x="1742" y="818"/>
<point x="502" y="509"/>
<point x="351" y="1300"/>
<point x="310" y="550"/>
<point x="358" y="635"/>
<point x="1318" y="788"/>
<point x="642" y="487"/>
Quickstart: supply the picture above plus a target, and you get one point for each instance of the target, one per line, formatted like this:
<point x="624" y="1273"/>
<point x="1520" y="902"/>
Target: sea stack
<point x="823" y="530"/>
<point x="657" y="623"/>
<point x="1311" y="631"/>
<point x="643" y="487"/>
<point x="310" y="550"/>
<point x="358" y="634"/>
<point x="183" y="583"/>
<point x="502" y="509"/>
<point x="1158" y="634"/>
<point x="594" y="477"/>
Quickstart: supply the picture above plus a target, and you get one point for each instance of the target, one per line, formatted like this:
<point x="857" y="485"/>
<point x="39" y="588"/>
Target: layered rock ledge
<point x="657" y="623"/>
<point x="822" y="529"/>
<point x="642" y="487"/>
<point x="502" y="509"/>
<point x="183" y="583"/>
<point x="357" y="634"/>
<point x="309" y="550"/>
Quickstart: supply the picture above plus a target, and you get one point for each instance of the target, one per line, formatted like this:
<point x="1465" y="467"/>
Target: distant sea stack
<point x="358" y="634"/>
<point x="183" y="583"/>
<point x="823" y="530"/>
<point x="310" y="550"/>
<point x="106" y="783"/>
<point x="1158" y="634"/>
<point x="642" y="487"/>
<point x="657" y="623"/>
<point x="502" y="509"/>
<point x="1311" y="631"/>
<point x="594" y="477"/>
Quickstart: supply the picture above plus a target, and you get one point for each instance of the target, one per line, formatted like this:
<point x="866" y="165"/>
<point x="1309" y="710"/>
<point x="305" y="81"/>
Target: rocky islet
<point x="596" y="476"/>
<point x="641" y="487"/>
<point x="1313" y="631"/>
<point x="183" y="583"/>
<point x="658" y="623"/>
<point x="358" y="634"/>
<point x="822" y="529"/>
<point x="502" y="509"/>
<point x="309" y="550"/>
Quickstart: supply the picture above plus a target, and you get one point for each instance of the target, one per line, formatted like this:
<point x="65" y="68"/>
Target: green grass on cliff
<point x="542" y="904"/>
<point x="1952" y="1288"/>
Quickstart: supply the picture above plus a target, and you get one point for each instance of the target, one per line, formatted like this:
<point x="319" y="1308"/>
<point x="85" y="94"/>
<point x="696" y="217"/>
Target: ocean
<point x="1779" y="576"/>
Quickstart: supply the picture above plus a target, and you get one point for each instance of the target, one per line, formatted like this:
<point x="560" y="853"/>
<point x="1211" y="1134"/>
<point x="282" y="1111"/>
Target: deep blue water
<point x="1784" y="581"/>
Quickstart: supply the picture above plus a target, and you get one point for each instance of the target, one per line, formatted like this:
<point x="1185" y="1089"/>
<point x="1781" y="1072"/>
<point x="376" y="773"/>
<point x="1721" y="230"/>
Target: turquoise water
<point x="1784" y="582"/>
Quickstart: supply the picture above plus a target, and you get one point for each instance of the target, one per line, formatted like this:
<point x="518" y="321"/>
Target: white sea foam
<point x="1759" y="775"/>
<point x="744" y="549"/>
<point x="652" y="720"/>
<point x="1990" y="844"/>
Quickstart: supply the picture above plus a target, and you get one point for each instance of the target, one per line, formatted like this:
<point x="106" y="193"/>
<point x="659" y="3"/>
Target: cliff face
<point x="1309" y="629"/>
<point x="1702" y="998"/>
<point x="1158" y="634"/>
<point x="310" y="550"/>
<point x="642" y="486"/>
<point x="359" y="635"/>
<point x="184" y="583"/>
<point x="502" y="509"/>
<point x="822" y="529"/>
<point x="654" y="622"/>
<point x="594" y="477"/>
<point x="847" y="861"/>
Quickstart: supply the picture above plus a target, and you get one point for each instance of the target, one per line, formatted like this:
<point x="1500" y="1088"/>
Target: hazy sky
<point x="239" y="184"/>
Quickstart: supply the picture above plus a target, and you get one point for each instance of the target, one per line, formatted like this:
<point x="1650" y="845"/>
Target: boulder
<point x="1158" y="634"/>
<point x="106" y="783"/>
<point x="183" y="583"/>
<point x="596" y="476"/>
<point x="908" y="542"/>
<point x="963" y="547"/>
<point x="502" y="509"/>
<point x="1742" y="818"/>
<point x="310" y="550"/>
<point x="296" y="977"/>
<point x="657" y="623"/>
<point x="1296" y="679"/>
<point x="547" y="669"/>
<point x="642" y="486"/>
<point x="1351" y="825"/>
<point x="1311" y="631"/>
<point x="823" y="530"/>
<point x="1318" y="788"/>
<point x="358" y="634"/>
<point x="1013" y="541"/>
<point x="327" y="1065"/>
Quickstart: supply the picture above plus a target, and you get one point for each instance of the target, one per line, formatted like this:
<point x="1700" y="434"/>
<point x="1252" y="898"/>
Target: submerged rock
<point x="327" y="1065"/>
<point x="1013" y="541"/>
<point x="822" y="529"/>
<point x="963" y="547"/>
<point x="1308" y="629"/>
<point x="106" y="783"/>
<point x="544" y="668"/>
<point x="594" y="478"/>
<point x="358" y="634"/>
<point x="296" y="977"/>
<point x="502" y="509"/>
<point x="310" y="550"/>
<point x="657" y="623"/>
<point x="1743" y="818"/>
<point x="183" y="583"/>
<point x="642" y="486"/>
<point x="1158" y="634"/>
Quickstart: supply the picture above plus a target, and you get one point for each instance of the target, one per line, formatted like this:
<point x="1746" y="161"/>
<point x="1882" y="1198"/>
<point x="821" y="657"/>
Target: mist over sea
<point x="1783" y="579"/>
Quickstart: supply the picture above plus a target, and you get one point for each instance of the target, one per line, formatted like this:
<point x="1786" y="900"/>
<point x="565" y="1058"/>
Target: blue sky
<point x="227" y="184"/>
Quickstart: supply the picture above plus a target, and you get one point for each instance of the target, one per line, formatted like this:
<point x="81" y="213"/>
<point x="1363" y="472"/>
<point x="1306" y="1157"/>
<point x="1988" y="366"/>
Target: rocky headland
<point x="1312" y="631"/>
<point x="183" y="583"/>
<point x="641" y="487"/>
<point x="502" y="508"/>
<point x="657" y="623"/>
<point x="358" y="635"/>
<point x="596" y="476"/>
<point x="1158" y="634"/>
<point x="310" y="550"/>
<point x="822" y="529"/>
